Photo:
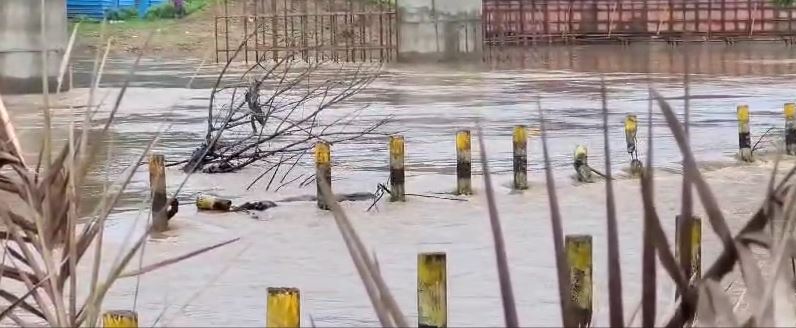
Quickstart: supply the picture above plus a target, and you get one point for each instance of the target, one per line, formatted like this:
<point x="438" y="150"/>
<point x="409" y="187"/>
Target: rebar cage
<point x="312" y="30"/>
<point x="519" y="22"/>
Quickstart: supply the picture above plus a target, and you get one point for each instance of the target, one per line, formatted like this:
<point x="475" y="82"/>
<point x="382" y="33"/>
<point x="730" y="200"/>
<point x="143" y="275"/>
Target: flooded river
<point x="297" y="245"/>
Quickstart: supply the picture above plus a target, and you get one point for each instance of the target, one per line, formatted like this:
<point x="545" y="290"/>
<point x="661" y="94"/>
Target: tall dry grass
<point x="44" y="239"/>
<point x="701" y="301"/>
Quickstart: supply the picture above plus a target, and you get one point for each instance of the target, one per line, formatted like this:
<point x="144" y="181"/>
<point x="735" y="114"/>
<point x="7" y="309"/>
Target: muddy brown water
<point x="297" y="245"/>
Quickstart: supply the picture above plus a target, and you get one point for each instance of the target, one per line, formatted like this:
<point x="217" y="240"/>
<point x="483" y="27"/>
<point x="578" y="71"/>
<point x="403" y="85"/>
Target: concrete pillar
<point x="20" y="48"/>
<point x="439" y="30"/>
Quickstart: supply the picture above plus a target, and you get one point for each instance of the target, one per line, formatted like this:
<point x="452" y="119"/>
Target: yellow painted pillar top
<point x="283" y="308"/>
<point x="696" y="247"/>
<point x="322" y="153"/>
<point x="432" y="292"/>
<point x="743" y="113"/>
<point x="397" y="146"/>
<point x="631" y="124"/>
<point x="581" y="152"/>
<point x="156" y="161"/>
<point x="463" y="140"/>
<point x="790" y="111"/>
<point x="520" y="134"/>
<point x="579" y="257"/>
<point x="120" y="319"/>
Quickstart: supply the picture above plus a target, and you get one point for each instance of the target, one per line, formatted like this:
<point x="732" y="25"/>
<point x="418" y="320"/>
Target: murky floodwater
<point x="299" y="246"/>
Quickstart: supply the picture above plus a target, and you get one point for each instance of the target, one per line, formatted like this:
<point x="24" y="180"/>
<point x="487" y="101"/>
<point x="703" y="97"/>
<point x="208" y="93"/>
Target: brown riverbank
<point x="189" y="37"/>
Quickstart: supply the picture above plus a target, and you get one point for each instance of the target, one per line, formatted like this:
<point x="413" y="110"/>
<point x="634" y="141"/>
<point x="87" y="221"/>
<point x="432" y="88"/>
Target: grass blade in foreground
<point x="506" y="291"/>
<point x="649" y="282"/>
<point x="558" y="231"/>
<point x="747" y="263"/>
<point x="712" y="209"/>
<point x="153" y="267"/>
<point x="383" y="303"/>
<point x="652" y="220"/>
<point x="731" y="251"/>
<point x="614" y="268"/>
<point x="686" y="207"/>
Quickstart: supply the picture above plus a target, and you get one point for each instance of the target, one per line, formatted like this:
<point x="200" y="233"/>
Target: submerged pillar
<point x="744" y="137"/>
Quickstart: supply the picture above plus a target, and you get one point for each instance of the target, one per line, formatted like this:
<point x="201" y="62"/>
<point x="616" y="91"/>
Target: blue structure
<point x="99" y="9"/>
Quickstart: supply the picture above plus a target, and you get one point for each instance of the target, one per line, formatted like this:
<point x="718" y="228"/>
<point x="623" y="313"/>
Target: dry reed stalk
<point x="649" y="283"/>
<point x="562" y="269"/>
<point x="384" y="304"/>
<point x="67" y="54"/>
<point x="41" y="234"/>
<point x="45" y="87"/>
<point x="614" y="269"/>
<point x="504" y="276"/>
<point x="735" y="249"/>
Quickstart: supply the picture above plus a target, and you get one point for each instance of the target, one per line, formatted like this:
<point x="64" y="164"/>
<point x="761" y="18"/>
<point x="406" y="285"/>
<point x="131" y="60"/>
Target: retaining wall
<point x="20" y="48"/>
<point x="440" y="30"/>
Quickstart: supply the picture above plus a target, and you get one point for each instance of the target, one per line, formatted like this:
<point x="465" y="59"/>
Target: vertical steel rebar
<point x="546" y="18"/>
<point x="381" y="31"/>
<point x="288" y="40"/>
<point x="363" y="30"/>
<point x="245" y="38"/>
<point x="305" y="50"/>
<point x="790" y="21"/>
<point x="723" y="17"/>
<point x="317" y="45"/>
<point x="256" y="33"/>
<point x="274" y="30"/>
<point x="333" y="30"/>
<point x="750" y="23"/>
<point x="710" y="19"/>
<point x="226" y="29"/>
<point x="671" y="17"/>
<point x="350" y="37"/>
<point x="215" y="28"/>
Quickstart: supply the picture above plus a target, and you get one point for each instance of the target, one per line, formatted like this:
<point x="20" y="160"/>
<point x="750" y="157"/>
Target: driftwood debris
<point x="255" y="206"/>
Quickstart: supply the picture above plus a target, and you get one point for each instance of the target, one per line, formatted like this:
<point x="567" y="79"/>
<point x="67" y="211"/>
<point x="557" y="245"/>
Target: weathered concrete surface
<point x="21" y="44"/>
<point x="441" y="30"/>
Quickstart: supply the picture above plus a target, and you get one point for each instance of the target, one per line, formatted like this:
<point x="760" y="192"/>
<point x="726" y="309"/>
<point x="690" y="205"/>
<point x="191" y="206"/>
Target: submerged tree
<point x="275" y="111"/>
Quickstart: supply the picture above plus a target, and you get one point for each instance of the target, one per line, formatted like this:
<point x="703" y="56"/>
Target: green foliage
<point x="192" y="6"/>
<point x="123" y="14"/>
<point x="784" y="3"/>
<point x="164" y="10"/>
<point x="84" y="19"/>
<point x="167" y="10"/>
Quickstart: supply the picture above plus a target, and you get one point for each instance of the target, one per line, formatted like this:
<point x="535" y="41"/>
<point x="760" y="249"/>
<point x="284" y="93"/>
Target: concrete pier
<point x="21" y="45"/>
<point x="439" y="30"/>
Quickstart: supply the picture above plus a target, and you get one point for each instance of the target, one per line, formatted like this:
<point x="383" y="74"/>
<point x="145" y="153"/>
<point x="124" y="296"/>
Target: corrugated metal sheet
<point x="97" y="9"/>
<point x="88" y="8"/>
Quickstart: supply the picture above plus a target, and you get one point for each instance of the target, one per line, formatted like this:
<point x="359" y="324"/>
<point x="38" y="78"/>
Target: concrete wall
<point x="21" y="44"/>
<point x="441" y="30"/>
